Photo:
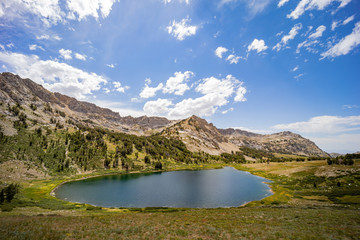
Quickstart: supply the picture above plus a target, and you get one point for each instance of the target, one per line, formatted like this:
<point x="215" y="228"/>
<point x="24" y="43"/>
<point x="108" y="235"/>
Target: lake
<point x="226" y="187"/>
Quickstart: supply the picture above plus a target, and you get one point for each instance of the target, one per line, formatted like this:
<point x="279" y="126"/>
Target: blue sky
<point x="260" y="65"/>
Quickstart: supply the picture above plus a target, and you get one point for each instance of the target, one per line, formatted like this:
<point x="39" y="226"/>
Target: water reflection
<point x="197" y="189"/>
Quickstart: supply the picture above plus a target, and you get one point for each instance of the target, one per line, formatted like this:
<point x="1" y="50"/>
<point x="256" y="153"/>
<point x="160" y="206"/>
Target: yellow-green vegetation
<point x="297" y="210"/>
<point x="232" y="223"/>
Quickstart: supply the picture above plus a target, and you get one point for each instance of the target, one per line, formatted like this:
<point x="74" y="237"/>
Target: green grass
<point x="233" y="223"/>
<point x="296" y="210"/>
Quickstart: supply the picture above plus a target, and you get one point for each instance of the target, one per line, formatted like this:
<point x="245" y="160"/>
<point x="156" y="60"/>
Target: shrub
<point x="158" y="165"/>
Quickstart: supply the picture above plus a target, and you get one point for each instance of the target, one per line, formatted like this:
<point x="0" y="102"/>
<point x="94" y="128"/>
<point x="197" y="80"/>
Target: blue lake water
<point x="225" y="187"/>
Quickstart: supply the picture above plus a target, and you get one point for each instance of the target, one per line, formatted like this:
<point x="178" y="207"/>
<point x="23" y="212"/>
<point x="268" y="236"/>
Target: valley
<point x="48" y="138"/>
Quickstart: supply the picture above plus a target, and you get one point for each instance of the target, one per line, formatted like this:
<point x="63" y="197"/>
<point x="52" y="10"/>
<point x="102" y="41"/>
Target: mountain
<point x="283" y="142"/>
<point x="14" y="89"/>
<point x="199" y="135"/>
<point x="45" y="108"/>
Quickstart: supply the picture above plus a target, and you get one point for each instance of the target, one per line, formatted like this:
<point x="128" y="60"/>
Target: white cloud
<point x="119" y="87"/>
<point x="258" y="45"/>
<point x="227" y="111"/>
<point x="305" y="5"/>
<point x="334" y="25"/>
<point x="158" y="107"/>
<point x="345" y="45"/>
<point x="33" y="47"/>
<point x="55" y="76"/>
<point x="295" y="69"/>
<point x="48" y="37"/>
<point x="307" y="44"/>
<point x="83" y="9"/>
<point x="233" y="59"/>
<point x="220" y="51"/>
<point x="291" y="35"/>
<point x="282" y="2"/>
<point x="52" y="12"/>
<point x="177" y="84"/>
<point x="349" y="19"/>
<point x="148" y="92"/>
<point x="148" y="81"/>
<point x="323" y="124"/>
<point x="331" y="133"/>
<point x="65" y="54"/>
<point x="181" y="30"/>
<point x="240" y="94"/>
<point x="318" y="33"/>
<point x="216" y="93"/>
<point x="110" y="65"/>
<point x="80" y="56"/>
<point x="48" y="11"/>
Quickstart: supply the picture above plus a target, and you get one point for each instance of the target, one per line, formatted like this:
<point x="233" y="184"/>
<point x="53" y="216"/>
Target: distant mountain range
<point x="196" y="133"/>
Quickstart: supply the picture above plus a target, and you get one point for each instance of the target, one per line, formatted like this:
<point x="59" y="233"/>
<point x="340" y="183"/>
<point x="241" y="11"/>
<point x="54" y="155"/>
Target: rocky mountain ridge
<point x="14" y="89"/>
<point x="55" y="109"/>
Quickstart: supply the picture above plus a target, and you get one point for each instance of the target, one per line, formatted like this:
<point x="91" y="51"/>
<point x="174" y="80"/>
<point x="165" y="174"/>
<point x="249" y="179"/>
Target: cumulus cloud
<point x="80" y="56"/>
<point x="84" y="9"/>
<point x="181" y="30"/>
<point x="148" y="92"/>
<point x="34" y="47"/>
<point x="65" y="54"/>
<point x="215" y="93"/>
<point x="110" y="65"/>
<point x="177" y="84"/>
<point x="345" y="45"/>
<point x="305" y="5"/>
<point x="220" y="51"/>
<point x="55" y="76"/>
<point x="240" y="94"/>
<point x="233" y="59"/>
<point x="318" y="33"/>
<point x="119" y="87"/>
<point x="257" y="45"/>
<point x="158" y="107"/>
<point x="323" y="124"/>
<point x="50" y="12"/>
<point x="291" y="35"/>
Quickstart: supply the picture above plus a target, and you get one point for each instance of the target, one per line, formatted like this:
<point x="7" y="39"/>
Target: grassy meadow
<point x="312" y="200"/>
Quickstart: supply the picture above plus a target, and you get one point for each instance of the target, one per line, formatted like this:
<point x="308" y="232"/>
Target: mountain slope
<point x="14" y="89"/>
<point x="58" y="110"/>
<point x="199" y="135"/>
<point x="283" y="142"/>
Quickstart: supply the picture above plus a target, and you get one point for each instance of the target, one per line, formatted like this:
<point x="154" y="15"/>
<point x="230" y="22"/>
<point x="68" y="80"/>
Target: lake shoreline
<point x="269" y="191"/>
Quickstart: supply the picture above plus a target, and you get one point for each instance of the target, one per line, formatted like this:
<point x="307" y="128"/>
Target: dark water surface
<point x="225" y="187"/>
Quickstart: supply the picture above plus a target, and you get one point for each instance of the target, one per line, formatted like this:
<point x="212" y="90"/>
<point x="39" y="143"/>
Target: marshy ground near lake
<point x="297" y="210"/>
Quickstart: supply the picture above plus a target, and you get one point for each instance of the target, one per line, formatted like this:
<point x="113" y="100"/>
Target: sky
<point x="260" y="65"/>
